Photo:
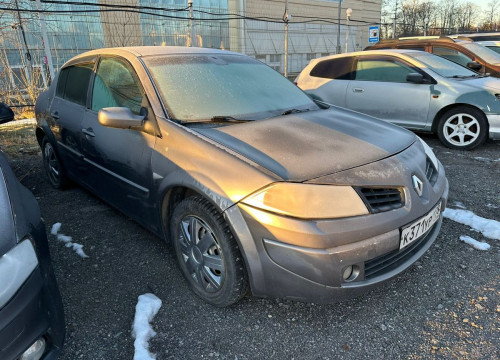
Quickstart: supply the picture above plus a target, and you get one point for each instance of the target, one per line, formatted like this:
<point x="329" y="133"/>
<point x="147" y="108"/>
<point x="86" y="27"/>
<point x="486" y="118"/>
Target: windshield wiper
<point x="291" y="111"/>
<point x="228" y="119"/>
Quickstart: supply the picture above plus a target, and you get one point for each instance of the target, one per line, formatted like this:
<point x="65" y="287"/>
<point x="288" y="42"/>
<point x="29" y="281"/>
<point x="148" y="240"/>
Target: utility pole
<point x="338" y="27"/>
<point x="191" y="21"/>
<point x="348" y="17"/>
<point x="45" y="40"/>
<point x="394" y="23"/>
<point x="286" y="18"/>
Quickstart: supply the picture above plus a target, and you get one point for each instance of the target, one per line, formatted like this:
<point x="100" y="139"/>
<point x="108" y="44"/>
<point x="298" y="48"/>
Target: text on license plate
<point x="414" y="231"/>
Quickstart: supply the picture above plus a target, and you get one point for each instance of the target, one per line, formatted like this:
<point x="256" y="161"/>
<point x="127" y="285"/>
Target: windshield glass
<point x="442" y="66"/>
<point x="199" y="87"/>
<point x="484" y="53"/>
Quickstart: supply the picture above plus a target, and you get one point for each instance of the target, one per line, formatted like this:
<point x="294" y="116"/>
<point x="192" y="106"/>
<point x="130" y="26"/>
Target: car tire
<point x="53" y="167"/>
<point x="207" y="253"/>
<point x="462" y="128"/>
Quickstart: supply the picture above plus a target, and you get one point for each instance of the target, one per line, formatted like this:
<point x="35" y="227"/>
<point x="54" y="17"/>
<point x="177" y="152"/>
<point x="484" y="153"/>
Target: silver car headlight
<point x="430" y="154"/>
<point x="308" y="201"/>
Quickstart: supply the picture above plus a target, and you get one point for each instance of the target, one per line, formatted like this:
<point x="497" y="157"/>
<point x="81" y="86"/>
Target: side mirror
<point x="415" y="78"/>
<point x="6" y="113"/>
<point x="119" y="117"/>
<point x="474" y="65"/>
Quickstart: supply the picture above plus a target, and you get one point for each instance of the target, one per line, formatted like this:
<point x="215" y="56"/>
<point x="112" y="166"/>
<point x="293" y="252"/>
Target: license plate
<point x="413" y="232"/>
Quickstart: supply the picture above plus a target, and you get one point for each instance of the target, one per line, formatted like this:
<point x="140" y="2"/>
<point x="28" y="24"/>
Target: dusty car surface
<point x="31" y="310"/>
<point x="257" y="186"/>
<point x="412" y="89"/>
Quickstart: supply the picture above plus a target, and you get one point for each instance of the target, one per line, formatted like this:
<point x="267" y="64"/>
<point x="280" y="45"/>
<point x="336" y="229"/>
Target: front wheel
<point x="462" y="128"/>
<point x="207" y="252"/>
<point x="53" y="167"/>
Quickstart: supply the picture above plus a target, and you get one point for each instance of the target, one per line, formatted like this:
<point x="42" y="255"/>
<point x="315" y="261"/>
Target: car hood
<point x="308" y="145"/>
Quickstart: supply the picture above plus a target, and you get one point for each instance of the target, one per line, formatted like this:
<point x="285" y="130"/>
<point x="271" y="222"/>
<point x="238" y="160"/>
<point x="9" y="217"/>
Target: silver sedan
<point x="413" y="89"/>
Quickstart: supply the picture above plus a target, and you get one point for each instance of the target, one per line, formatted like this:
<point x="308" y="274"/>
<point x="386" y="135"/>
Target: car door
<point x="380" y="89"/>
<point x="120" y="159"/>
<point x="67" y="111"/>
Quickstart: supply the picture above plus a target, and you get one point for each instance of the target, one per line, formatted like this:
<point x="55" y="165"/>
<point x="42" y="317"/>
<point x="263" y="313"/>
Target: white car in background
<point x="413" y="89"/>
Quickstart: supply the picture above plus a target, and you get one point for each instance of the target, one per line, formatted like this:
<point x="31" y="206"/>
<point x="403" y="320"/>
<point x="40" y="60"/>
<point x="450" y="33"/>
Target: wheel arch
<point x="40" y="134"/>
<point x="442" y="111"/>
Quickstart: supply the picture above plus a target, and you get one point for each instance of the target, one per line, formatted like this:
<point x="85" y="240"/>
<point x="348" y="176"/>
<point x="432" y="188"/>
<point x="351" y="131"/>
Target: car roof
<point x="139" y="51"/>
<point x="374" y="52"/>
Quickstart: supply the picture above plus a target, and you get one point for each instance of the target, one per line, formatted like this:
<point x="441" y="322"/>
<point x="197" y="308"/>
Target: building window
<point x="310" y="56"/>
<point x="274" y="58"/>
<point x="261" y="57"/>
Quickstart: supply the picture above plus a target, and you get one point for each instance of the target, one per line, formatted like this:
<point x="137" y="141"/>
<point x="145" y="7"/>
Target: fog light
<point x="35" y="351"/>
<point x="350" y="273"/>
<point x="347" y="272"/>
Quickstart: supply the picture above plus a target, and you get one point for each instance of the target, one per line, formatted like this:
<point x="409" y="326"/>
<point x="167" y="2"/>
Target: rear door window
<point x="339" y="69"/>
<point x="73" y="83"/>
<point x="452" y="55"/>
<point x="382" y="70"/>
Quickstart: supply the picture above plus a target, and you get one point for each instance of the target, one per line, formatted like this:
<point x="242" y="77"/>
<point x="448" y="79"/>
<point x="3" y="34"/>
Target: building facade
<point x="253" y="27"/>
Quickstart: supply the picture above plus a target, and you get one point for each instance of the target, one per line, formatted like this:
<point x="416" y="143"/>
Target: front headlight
<point x="308" y="201"/>
<point x="430" y="154"/>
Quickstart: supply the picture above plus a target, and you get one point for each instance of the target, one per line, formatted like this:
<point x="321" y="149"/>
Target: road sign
<point x="374" y="34"/>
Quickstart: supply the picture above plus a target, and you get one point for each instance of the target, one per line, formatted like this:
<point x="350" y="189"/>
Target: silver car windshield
<point x="442" y="66"/>
<point x="201" y="87"/>
<point x="488" y="55"/>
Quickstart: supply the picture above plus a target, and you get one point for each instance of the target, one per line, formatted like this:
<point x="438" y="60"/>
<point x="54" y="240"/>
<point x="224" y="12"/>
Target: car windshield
<point x="442" y="66"/>
<point x="488" y="55"/>
<point x="495" y="48"/>
<point x="213" y="86"/>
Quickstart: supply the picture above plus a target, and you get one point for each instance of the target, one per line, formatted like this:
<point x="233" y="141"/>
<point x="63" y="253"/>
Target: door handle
<point x="54" y="114"/>
<point x="88" y="132"/>
<point x="358" y="90"/>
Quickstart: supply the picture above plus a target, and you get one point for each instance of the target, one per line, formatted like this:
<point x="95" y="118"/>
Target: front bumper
<point x="304" y="260"/>
<point x="494" y="124"/>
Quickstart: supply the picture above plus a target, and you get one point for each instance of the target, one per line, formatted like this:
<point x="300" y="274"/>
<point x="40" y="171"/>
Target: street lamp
<point x="426" y="23"/>
<point x="348" y="13"/>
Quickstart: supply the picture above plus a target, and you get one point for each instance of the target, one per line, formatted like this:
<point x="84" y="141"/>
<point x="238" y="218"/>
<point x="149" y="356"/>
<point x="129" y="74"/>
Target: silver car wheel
<point x="461" y="129"/>
<point x="201" y="253"/>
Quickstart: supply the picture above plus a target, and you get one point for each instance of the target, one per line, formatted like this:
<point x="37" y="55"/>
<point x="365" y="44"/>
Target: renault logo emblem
<point x="418" y="185"/>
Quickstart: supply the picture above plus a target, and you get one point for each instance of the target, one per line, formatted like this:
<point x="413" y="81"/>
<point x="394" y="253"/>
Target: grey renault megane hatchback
<point x="257" y="186"/>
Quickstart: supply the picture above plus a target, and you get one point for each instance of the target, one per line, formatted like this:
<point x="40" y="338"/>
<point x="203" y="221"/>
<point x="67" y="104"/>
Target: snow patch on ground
<point x="55" y="228"/>
<point x="67" y="240"/>
<point x="18" y="122"/>
<point x="146" y="309"/>
<point x="489" y="228"/>
<point x="474" y="243"/>
<point x="492" y="206"/>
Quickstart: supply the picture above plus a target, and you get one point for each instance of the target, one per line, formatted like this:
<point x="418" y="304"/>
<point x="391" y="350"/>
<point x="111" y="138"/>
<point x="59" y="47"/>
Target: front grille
<point x="387" y="262"/>
<point x="381" y="199"/>
<point x="430" y="172"/>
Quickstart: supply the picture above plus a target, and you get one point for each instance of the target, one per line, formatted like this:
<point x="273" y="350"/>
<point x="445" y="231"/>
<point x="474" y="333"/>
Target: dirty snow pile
<point x="478" y="245"/>
<point x="489" y="228"/>
<point x="67" y="240"/>
<point x="146" y="309"/>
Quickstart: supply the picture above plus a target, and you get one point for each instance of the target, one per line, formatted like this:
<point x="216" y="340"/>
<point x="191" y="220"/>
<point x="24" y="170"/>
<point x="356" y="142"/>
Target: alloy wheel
<point x="461" y="129"/>
<point x="52" y="164"/>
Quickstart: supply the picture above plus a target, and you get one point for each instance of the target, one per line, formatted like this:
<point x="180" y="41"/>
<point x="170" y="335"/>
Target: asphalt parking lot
<point x="444" y="307"/>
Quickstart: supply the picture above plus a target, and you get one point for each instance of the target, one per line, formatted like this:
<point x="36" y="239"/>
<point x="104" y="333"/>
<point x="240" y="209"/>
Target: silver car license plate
<point x="416" y="230"/>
